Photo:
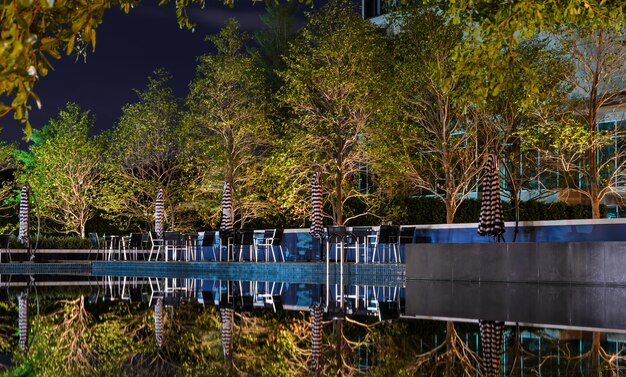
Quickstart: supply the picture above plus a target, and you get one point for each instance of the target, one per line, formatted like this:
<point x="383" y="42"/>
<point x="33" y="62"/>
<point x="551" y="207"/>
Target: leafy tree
<point x="274" y="39"/>
<point x="498" y="26"/>
<point x="585" y="155"/>
<point x="437" y="141"/>
<point x="143" y="155"/>
<point x="227" y="125"/>
<point x="532" y="88"/>
<point x="332" y="85"/>
<point x="62" y="166"/>
<point x="8" y="164"/>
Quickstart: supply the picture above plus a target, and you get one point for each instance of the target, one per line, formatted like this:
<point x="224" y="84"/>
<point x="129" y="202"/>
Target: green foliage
<point x="332" y="84"/>
<point x="144" y="155"/>
<point x="435" y="138"/>
<point x="227" y="127"/>
<point x="494" y="28"/>
<point x="424" y="210"/>
<point x="61" y="167"/>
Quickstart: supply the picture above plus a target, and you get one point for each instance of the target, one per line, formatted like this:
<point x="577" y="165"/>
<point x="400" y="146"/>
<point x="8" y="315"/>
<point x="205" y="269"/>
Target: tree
<point x="532" y="87"/>
<point x="439" y="138"/>
<point x="498" y="26"/>
<point x="227" y="124"/>
<point x="143" y="155"/>
<point x="62" y="167"/>
<point x="274" y="39"/>
<point x="332" y="84"/>
<point x="8" y="164"/>
<point x="581" y="145"/>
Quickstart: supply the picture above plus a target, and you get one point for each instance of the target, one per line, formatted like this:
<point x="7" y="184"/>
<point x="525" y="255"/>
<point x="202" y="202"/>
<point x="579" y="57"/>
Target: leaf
<point x="28" y="131"/>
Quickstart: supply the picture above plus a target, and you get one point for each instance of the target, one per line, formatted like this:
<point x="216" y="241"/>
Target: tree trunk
<point x="449" y="211"/>
<point x="595" y="354"/>
<point x="592" y="118"/>
<point x="595" y="208"/>
<point x="449" y="348"/>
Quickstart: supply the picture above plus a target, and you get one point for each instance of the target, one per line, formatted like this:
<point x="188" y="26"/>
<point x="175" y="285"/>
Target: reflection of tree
<point x="73" y="335"/>
<point x="570" y="359"/>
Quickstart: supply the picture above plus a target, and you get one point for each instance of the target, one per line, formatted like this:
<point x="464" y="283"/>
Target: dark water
<point x="112" y="325"/>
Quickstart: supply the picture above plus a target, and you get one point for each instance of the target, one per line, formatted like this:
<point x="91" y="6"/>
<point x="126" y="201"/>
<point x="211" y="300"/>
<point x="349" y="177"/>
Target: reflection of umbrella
<point x="159" y="214"/>
<point x="491" y="339"/>
<point x="227" y="331"/>
<point x="22" y="319"/>
<point x="491" y="220"/>
<point x="24" y="234"/>
<point x="316" y="335"/>
<point x="158" y="322"/>
<point x="317" y="229"/>
<point x="226" y="226"/>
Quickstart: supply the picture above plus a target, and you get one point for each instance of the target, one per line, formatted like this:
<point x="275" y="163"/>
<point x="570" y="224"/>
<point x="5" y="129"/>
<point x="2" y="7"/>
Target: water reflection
<point x="147" y="326"/>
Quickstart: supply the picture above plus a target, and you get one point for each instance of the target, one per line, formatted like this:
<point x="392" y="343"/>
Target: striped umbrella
<point x="24" y="231"/>
<point x="317" y="312"/>
<point x="491" y="333"/>
<point x="227" y="331"/>
<point x="226" y="226"/>
<point x="159" y="214"/>
<point x="158" y="322"/>
<point x="22" y="319"/>
<point x="491" y="219"/>
<point x="317" y="229"/>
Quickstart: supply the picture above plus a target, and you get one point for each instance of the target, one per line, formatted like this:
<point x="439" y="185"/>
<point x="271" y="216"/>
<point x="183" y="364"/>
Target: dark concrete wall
<point x="595" y="263"/>
<point x="543" y="304"/>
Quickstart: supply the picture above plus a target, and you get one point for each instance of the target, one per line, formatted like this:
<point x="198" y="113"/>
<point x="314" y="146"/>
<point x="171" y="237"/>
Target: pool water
<point x="115" y="324"/>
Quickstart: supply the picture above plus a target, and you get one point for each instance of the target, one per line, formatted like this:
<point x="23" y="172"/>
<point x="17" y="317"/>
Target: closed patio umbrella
<point x="226" y="225"/>
<point x="317" y="312"/>
<point x="491" y="221"/>
<point x="317" y="228"/>
<point x="159" y="214"/>
<point x="24" y="231"/>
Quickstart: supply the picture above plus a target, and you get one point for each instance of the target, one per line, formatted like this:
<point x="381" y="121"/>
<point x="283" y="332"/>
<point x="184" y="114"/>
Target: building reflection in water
<point x="244" y="327"/>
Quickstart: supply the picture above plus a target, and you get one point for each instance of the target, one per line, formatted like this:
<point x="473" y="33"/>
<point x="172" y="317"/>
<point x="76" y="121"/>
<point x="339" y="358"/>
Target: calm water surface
<point x="116" y="325"/>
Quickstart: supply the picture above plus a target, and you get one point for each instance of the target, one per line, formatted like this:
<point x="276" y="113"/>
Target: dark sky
<point x="129" y="48"/>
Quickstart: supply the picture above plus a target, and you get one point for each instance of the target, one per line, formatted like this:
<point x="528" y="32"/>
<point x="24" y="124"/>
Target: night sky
<point x="129" y="48"/>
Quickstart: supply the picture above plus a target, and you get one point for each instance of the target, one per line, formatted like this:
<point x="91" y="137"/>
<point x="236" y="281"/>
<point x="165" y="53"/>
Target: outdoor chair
<point x="336" y="235"/>
<point x="271" y="238"/>
<point x="173" y="243"/>
<point x="135" y="244"/>
<point x="208" y="299"/>
<point x="156" y="245"/>
<point x="407" y="235"/>
<point x="226" y="239"/>
<point x="388" y="237"/>
<point x="244" y="238"/>
<point x="4" y="246"/>
<point x="208" y="241"/>
<point x="94" y="243"/>
<point x="357" y="240"/>
<point x="190" y="239"/>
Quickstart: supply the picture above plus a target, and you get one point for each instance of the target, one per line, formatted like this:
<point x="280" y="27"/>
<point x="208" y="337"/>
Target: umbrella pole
<point x="327" y="271"/>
